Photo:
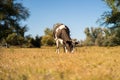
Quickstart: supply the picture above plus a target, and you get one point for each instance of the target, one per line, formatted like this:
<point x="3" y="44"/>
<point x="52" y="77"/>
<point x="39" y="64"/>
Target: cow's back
<point x="55" y="26"/>
<point x="62" y="32"/>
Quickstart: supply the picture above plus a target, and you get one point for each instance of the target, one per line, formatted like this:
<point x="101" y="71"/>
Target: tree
<point x="28" y="41"/>
<point x="47" y="39"/>
<point x="111" y="19"/>
<point x="14" y="39"/>
<point x="48" y="31"/>
<point x="89" y="41"/>
<point x="31" y="42"/>
<point x="37" y="41"/>
<point x="11" y="13"/>
<point x="99" y="37"/>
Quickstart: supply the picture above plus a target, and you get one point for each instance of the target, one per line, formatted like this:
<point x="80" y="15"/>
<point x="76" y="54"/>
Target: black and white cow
<point x="61" y="34"/>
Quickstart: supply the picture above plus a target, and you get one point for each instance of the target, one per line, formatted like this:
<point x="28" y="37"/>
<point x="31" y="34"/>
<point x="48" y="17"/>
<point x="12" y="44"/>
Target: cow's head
<point x="69" y="46"/>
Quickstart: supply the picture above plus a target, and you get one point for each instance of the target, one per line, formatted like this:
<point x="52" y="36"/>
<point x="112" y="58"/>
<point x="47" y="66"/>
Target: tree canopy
<point x="11" y="14"/>
<point x="112" y="17"/>
<point x="47" y="39"/>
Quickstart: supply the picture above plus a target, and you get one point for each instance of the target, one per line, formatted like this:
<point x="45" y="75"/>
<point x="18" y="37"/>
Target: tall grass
<point x="87" y="63"/>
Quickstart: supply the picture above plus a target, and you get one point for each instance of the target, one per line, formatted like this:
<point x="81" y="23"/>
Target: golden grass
<point x="87" y="63"/>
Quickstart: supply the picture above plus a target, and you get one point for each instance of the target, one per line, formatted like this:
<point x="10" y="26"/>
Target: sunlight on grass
<point x="87" y="63"/>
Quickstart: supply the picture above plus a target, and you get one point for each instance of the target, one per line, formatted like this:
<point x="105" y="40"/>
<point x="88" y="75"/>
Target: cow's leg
<point x="64" y="47"/>
<point x="57" y="45"/>
<point x="66" y="50"/>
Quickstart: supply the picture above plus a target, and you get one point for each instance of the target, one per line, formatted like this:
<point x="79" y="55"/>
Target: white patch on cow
<point x="60" y="27"/>
<point x="61" y="41"/>
<point x="66" y="50"/>
<point x="57" y="43"/>
<point x="72" y="50"/>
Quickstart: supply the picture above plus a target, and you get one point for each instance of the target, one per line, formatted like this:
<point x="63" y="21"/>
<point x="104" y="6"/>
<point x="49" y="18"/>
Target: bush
<point x="47" y="40"/>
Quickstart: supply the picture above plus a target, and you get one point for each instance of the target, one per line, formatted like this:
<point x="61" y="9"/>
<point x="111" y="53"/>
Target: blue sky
<point x="76" y="14"/>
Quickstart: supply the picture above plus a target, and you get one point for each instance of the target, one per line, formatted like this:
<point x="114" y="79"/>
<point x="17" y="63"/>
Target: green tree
<point x="11" y="13"/>
<point x="112" y="20"/>
<point x="31" y="42"/>
<point x="89" y="41"/>
<point x="14" y="39"/>
<point x="112" y="17"/>
<point x="28" y="41"/>
<point x="37" y="41"/>
<point x="48" y="31"/>
<point x="47" y="39"/>
<point x="98" y="35"/>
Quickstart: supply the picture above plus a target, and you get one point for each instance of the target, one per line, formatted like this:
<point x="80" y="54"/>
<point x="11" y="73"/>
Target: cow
<point x="61" y="34"/>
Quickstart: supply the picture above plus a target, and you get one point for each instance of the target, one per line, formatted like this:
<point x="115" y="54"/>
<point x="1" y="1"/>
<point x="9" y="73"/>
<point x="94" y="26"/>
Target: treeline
<point x="95" y="36"/>
<point x="102" y="37"/>
<point x="109" y="36"/>
<point x="12" y="33"/>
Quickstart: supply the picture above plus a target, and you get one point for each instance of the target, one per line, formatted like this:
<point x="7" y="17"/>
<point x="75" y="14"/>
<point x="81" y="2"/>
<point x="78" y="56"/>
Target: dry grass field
<point x="87" y="63"/>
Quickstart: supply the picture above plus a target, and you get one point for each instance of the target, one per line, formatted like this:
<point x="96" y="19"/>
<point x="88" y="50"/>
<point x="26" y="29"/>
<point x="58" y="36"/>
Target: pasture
<point x="87" y="63"/>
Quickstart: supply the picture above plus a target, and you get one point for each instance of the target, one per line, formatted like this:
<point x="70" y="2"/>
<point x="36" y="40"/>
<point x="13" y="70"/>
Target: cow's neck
<point x="65" y="36"/>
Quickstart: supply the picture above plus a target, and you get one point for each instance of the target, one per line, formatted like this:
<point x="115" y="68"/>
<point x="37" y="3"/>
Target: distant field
<point x="87" y="63"/>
